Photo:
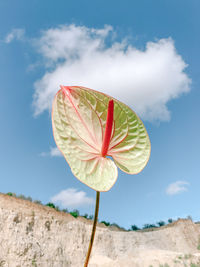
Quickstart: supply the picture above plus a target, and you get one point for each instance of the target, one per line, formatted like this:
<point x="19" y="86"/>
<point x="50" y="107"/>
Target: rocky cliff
<point x="35" y="235"/>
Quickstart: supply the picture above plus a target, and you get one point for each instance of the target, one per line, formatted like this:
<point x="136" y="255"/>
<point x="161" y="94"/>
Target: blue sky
<point x="146" y="54"/>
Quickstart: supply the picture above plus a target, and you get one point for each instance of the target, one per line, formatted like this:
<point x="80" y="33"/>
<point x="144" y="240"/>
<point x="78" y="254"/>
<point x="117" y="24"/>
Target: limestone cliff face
<point x="34" y="235"/>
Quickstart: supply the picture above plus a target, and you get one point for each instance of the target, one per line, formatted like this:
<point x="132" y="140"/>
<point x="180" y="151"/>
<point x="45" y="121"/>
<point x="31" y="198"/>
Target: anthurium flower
<point x="96" y="134"/>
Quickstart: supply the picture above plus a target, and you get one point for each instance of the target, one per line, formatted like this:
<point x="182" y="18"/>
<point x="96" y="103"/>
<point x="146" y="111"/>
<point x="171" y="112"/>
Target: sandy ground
<point x="34" y="235"/>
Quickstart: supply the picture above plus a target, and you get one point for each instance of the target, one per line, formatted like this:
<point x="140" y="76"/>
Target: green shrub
<point x="51" y="205"/>
<point x="170" y="220"/>
<point x="115" y="224"/>
<point x="24" y="197"/>
<point x="134" y="227"/>
<point x="75" y="214"/>
<point x="106" y="223"/>
<point x="187" y="256"/>
<point x="21" y="196"/>
<point x="76" y="211"/>
<point x="11" y="194"/>
<point x="147" y="226"/>
<point x="57" y="208"/>
<point x="160" y="223"/>
<point x="65" y="210"/>
<point x="189" y="217"/>
<point x="29" y="199"/>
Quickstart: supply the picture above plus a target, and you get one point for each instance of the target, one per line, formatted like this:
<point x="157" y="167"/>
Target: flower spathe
<point x="88" y="126"/>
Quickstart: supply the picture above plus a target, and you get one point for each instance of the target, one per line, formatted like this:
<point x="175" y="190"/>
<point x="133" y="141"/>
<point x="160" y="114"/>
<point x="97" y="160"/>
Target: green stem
<point x="93" y="229"/>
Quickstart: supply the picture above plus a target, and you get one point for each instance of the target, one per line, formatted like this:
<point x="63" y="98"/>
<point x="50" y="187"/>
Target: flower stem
<point x="93" y="229"/>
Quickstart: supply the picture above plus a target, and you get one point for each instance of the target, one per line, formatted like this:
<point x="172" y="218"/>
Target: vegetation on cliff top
<point x="75" y="213"/>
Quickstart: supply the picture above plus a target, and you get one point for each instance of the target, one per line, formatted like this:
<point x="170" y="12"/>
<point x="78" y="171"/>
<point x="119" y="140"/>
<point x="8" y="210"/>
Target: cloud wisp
<point x="54" y="152"/>
<point x="177" y="187"/>
<point x="72" y="198"/>
<point x="146" y="80"/>
<point x="15" y="34"/>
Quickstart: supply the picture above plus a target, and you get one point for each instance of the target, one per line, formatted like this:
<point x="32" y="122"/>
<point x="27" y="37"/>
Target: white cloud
<point x="17" y="34"/>
<point x="146" y="80"/>
<point x="72" y="198"/>
<point x="177" y="187"/>
<point x="54" y="152"/>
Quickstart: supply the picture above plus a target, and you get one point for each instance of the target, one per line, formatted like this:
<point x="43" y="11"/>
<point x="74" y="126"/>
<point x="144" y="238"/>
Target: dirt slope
<point x="34" y="235"/>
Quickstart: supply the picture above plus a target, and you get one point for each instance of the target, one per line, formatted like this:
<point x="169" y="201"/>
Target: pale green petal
<point x="133" y="153"/>
<point x="79" y="121"/>
<point x="81" y="151"/>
